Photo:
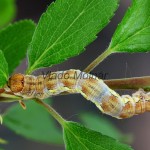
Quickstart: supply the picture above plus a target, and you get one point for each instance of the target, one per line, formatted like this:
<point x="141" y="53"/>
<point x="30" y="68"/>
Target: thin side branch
<point x="97" y="61"/>
<point x="51" y="111"/>
<point x="9" y="97"/>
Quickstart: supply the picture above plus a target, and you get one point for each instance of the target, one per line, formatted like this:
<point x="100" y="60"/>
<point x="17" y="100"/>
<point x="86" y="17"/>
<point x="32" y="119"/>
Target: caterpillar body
<point x="75" y="81"/>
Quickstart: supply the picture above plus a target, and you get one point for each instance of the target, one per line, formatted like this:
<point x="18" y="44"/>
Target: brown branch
<point x="130" y="83"/>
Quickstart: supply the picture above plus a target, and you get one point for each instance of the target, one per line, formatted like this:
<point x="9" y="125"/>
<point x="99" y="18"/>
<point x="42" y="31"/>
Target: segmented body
<point x="75" y="81"/>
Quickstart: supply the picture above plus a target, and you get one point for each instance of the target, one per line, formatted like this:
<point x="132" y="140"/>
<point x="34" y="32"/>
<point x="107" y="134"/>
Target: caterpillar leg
<point x="22" y="104"/>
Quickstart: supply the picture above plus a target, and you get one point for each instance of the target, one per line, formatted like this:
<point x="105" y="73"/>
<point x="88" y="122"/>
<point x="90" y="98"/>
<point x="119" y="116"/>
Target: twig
<point x="51" y="111"/>
<point x="8" y="97"/>
<point x="98" y="60"/>
<point x="130" y="83"/>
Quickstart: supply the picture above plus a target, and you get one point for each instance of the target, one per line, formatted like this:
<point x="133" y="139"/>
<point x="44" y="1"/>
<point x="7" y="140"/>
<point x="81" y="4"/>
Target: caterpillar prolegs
<point x="75" y="81"/>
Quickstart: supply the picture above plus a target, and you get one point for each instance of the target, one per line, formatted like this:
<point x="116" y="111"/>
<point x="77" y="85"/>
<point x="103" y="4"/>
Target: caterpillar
<point x="75" y="81"/>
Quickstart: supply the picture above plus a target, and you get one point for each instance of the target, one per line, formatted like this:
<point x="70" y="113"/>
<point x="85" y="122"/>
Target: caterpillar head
<point x="16" y="83"/>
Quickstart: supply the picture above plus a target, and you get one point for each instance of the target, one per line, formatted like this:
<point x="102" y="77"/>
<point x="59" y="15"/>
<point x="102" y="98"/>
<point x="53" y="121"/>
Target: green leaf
<point x="3" y="70"/>
<point x="2" y="141"/>
<point x="78" y="137"/>
<point x="33" y="123"/>
<point x="133" y="34"/>
<point x="14" y="41"/>
<point x="104" y="126"/>
<point x="7" y="11"/>
<point x="66" y="28"/>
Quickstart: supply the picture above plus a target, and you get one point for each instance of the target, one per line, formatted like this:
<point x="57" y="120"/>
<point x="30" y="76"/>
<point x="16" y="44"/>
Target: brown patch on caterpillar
<point x="16" y="83"/>
<point x="26" y="84"/>
<point x="39" y="86"/>
<point x="51" y="80"/>
<point x="85" y="90"/>
<point x="110" y="105"/>
<point x="129" y="108"/>
<point x="128" y="111"/>
<point x="147" y="101"/>
<point x="140" y="101"/>
<point x="50" y="83"/>
<point x="33" y="87"/>
<point x="30" y="81"/>
<point x="147" y="106"/>
<point x="68" y="79"/>
<point x="70" y="83"/>
<point x="90" y="88"/>
<point x="29" y="86"/>
<point x="140" y="107"/>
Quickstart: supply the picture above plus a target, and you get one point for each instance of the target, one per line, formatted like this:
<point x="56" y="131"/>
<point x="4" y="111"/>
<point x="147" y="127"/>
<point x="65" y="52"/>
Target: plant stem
<point x="130" y="83"/>
<point x="28" y="71"/>
<point x="98" y="60"/>
<point x="51" y="111"/>
<point x="6" y="97"/>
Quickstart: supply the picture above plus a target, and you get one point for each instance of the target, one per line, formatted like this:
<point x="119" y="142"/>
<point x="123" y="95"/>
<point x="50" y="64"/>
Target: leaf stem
<point x="98" y="60"/>
<point x="51" y="111"/>
<point x="130" y="83"/>
<point x="6" y="97"/>
<point x="29" y="71"/>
